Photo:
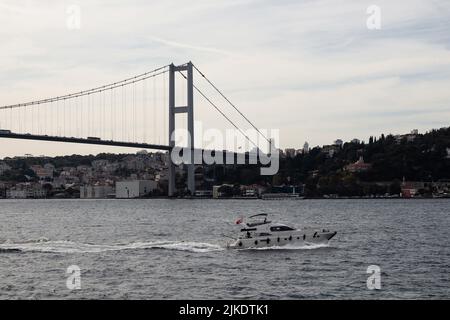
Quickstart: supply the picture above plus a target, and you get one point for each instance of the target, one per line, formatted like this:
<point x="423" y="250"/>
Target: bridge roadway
<point x="96" y="141"/>
<point x="83" y="141"/>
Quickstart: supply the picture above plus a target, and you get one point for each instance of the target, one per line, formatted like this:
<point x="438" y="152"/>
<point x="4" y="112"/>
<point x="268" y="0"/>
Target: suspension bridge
<point x="137" y="112"/>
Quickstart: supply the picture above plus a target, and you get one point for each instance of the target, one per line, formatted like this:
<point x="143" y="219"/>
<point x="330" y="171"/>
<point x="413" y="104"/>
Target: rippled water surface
<point x="173" y="249"/>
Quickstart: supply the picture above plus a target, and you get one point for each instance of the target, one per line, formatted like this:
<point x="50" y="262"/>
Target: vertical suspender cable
<point x="164" y="113"/>
<point x="104" y="115"/>
<point x="81" y="116"/>
<point x="111" y="113"/>
<point x="133" y="121"/>
<point x="144" y="110"/>
<point x="64" y="117"/>
<point x="154" y="110"/>
<point x="124" y="120"/>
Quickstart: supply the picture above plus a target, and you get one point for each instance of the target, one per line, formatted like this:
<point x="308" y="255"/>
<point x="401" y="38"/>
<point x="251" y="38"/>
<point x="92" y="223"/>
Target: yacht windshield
<point x="281" y="228"/>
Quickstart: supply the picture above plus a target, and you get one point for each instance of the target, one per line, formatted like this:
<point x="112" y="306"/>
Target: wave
<point x="38" y="240"/>
<point x="48" y="246"/>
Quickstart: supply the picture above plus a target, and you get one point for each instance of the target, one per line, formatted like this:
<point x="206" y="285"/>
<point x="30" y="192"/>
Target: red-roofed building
<point x="358" y="166"/>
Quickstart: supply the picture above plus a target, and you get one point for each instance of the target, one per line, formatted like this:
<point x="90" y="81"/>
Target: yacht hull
<point x="288" y="238"/>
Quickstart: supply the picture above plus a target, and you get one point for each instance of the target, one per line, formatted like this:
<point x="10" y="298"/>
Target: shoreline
<point x="239" y="198"/>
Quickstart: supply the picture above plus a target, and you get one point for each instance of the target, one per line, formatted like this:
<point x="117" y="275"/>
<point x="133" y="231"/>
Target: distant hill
<point x="413" y="157"/>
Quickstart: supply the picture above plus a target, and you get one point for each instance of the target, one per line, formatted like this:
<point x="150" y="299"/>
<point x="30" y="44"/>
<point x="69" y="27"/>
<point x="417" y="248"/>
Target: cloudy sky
<point x="310" y="68"/>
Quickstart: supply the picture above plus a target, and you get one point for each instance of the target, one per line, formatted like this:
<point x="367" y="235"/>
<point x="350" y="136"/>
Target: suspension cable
<point x="220" y="111"/>
<point x="132" y="80"/>
<point x="228" y="100"/>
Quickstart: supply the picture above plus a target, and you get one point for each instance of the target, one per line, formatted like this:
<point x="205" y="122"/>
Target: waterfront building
<point x="26" y="190"/>
<point x="223" y="190"/>
<point x="96" y="191"/>
<point x="134" y="188"/>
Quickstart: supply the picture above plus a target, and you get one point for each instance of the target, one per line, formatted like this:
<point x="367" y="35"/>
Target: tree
<point x="395" y="188"/>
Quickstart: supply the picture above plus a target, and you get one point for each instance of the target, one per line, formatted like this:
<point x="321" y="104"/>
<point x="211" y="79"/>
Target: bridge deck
<point x="235" y="156"/>
<point x="84" y="141"/>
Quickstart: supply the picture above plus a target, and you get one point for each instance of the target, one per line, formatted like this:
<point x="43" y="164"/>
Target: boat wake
<point x="311" y="246"/>
<point x="47" y="246"/>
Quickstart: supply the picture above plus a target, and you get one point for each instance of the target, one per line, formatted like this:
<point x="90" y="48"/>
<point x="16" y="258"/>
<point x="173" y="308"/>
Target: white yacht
<point x="261" y="233"/>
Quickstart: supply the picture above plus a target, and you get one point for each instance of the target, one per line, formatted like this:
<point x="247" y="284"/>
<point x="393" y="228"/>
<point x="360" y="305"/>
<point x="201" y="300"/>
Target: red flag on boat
<point x="239" y="221"/>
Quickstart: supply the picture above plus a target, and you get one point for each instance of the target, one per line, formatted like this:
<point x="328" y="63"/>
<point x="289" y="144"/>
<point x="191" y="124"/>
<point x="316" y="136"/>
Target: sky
<point x="311" y="69"/>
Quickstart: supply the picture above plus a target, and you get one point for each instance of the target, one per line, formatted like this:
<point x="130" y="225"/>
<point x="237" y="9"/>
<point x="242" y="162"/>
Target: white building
<point x="330" y="150"/>
<point x="17" y="194"/>
<point x="306" y="147"/>
<point x="134" y="188"/>
<point x="26" y="190"/>
<point x="95" y="192"/>
<point x="338" y="142"/>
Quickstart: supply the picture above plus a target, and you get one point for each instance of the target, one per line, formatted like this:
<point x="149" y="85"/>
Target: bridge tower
<point x="173" y="110"/>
